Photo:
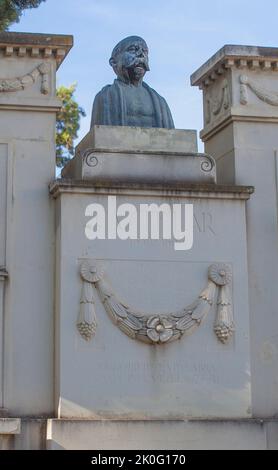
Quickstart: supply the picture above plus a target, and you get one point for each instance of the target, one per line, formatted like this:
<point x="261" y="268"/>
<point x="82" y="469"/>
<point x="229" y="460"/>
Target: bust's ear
<point x="112" y="62"/>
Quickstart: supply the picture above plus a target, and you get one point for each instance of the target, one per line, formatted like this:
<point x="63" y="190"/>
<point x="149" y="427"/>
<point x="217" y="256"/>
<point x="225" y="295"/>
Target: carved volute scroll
<point x="207" y="162"/>
<point x="159" y="328"/>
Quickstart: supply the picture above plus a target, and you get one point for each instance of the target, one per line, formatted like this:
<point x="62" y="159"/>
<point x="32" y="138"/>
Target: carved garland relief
<point x="215" y="104"/>
<point x="269" y="97"/>
<point x="20" y="83"/>
<point x="156" y="329"/>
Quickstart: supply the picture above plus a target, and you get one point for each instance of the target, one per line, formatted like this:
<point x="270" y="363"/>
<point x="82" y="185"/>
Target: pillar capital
<point x="28" y="64"/>
<point x="238" y="83"/>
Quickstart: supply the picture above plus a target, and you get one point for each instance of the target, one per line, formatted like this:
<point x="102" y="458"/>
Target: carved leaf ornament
<point x="156" y="329"/>
<point x="20" y="83"/>
<point x="216" y="105"/>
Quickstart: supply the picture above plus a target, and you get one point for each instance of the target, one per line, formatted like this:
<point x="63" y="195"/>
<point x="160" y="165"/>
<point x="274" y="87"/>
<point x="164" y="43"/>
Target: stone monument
<point x="142" y="343"/>
<point x="117" y="337"/>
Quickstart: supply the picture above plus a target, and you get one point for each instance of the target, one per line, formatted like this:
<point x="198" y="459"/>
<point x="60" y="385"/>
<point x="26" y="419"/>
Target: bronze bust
<point x="130" y="101"/>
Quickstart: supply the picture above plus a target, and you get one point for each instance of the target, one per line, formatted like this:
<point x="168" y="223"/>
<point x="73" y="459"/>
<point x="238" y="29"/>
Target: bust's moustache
<point x="138" y="63"/>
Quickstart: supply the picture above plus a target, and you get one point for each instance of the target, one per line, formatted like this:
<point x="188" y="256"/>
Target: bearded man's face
<point x="135" y="60"/>
<point x="132" y="61"/>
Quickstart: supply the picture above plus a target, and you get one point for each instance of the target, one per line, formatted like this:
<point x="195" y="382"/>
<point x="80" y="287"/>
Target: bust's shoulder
<point x="106" y="90"/>
<point x="103" y="91"/>
<point x="151" y="90"/>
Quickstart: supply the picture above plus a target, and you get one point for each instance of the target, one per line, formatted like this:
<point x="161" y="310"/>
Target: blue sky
<point x="181" y="35"/>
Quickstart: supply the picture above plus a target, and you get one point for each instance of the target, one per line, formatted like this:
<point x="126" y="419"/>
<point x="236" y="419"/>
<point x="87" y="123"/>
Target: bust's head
<point x="129" y="60"/>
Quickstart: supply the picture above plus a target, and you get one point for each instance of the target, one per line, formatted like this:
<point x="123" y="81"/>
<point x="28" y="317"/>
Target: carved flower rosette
<point x="160" y="329"/>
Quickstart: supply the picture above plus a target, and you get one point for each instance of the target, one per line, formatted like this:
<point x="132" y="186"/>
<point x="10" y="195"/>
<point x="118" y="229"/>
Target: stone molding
<point x="194" y="190"/>
<point x="51" y="106"/>
<point x="191" y="434"/>
<point x="10" y="426"/>
<point x="44" y="46"/>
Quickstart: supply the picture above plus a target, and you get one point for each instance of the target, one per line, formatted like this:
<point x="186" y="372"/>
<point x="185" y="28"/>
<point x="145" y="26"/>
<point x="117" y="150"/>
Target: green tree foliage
<point x="11" y="10"/>
<point x="67" y="124"/>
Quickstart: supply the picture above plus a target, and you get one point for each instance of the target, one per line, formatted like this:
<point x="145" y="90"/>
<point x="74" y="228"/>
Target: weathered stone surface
<point x="27" y="164"/>
<point x="160" y="435"/>
<point x="138" y="139"/>
<point x="54" y="434"/>
<point x="120" y="154"/>
<point x="9" y="426"/>
<point x="143" y="168"/>
<point x="26" y="434"/>
<point x="209" y="191"/>
<point x="132" y="380"/>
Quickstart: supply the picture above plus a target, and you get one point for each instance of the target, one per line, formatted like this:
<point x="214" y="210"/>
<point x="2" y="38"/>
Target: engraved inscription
<point x="203" y="222"/>
<point x="160" y="372"/>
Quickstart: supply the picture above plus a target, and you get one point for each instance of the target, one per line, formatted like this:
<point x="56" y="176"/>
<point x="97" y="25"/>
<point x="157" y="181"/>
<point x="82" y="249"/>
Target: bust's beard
<point x="129" y="75"/>
<point x="136" y="74"/>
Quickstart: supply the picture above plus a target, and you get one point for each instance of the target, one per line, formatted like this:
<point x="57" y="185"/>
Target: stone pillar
<point x="3" y="277"/>
<point x="240" y="93"/>
<point x="28" y="107"/>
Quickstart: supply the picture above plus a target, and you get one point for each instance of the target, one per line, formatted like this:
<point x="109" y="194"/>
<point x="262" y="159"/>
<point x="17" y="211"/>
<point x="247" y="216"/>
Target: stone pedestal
<point x="28" y="106"/>
<point x="138" y="367"/>
<point x="110" y="154"/>
<point x="240" y="91"/>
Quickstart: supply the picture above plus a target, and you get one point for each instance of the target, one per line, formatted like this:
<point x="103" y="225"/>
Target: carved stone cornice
<point x="41" y="46"/>
<point x="188" y="190"/>
<point x="239" y="57"/>
<point x="239" y="83"/>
